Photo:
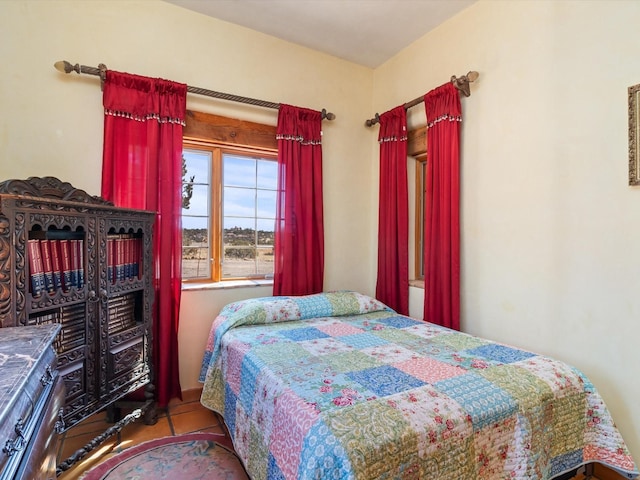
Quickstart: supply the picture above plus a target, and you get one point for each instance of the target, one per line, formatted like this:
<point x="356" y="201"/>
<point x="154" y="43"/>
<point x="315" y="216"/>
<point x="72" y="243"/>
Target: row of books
<point x="124" y="257"/>
<point x="55" y="265"/>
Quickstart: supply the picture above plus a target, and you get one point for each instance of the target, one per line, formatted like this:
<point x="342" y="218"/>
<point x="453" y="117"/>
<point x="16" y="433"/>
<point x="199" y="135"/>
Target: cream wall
<point x="51" y="123"/>
<point x="550" y="227"/>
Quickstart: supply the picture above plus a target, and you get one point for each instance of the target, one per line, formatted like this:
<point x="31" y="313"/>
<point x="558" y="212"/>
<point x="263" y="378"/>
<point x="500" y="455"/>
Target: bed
<point x="339" y="386"/>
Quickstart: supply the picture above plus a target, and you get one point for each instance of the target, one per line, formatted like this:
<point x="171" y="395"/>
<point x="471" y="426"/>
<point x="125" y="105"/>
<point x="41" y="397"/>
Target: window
<point x="228" y="214"/>
<point x="417" y="149"/>
<point x="229" y="198"/>
<point x="421" y="175"/>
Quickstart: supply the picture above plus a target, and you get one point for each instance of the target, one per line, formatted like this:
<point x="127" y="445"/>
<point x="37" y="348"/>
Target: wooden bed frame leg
<point x="588" y="471"/>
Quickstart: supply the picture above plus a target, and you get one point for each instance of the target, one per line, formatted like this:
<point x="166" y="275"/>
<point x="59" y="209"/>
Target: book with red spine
<point x="45" y="251"/>
<point x="80" y="264"/>
<point x="111" y="260"/>
<point x="65" y="253"/>
<point x="56" y="263"/>
<point x="126" y="256"/>
<point x="137" y="246"/>
<point x="73" y="255"/>
<point x="36" y="270"/>
<point x="119" y="259"/>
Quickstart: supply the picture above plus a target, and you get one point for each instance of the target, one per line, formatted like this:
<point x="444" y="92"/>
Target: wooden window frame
<point x="219" y="135"/>
<point x="417" y="148"/>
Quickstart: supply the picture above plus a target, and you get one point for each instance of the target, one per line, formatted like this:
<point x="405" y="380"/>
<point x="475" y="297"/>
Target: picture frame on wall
<point x="634" y="135"/>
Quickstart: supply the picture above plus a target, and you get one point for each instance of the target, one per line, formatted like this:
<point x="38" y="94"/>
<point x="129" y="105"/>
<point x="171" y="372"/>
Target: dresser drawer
<point x="39" y="459"/>
<point x="29" y="399"/>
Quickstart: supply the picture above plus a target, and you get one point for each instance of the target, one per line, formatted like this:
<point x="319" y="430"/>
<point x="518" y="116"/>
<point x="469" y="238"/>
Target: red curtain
<point x="442" y="208"/>
<point x="299" y="233"/>
<point x="392" y="286"/>
<point x="142" y="169"/>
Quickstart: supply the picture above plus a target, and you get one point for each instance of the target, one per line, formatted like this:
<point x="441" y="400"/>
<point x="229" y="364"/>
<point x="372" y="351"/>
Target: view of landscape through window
<point x="248" y="215"/>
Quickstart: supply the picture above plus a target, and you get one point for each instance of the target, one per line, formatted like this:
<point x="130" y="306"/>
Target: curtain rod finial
<point x="371" y="122"/>
<point x="65" y="67"/>
<point x="327" y="115"/>
<point x="462" y="83"/>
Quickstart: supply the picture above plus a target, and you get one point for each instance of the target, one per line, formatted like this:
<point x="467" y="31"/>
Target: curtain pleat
<point x="142" y="169"/>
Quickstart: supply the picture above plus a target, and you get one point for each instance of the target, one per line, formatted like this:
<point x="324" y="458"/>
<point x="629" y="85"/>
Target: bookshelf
<point x="73" y="259"/>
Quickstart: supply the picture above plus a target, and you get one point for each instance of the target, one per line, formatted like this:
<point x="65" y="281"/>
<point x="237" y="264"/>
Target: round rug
<point x="193" y="456"/>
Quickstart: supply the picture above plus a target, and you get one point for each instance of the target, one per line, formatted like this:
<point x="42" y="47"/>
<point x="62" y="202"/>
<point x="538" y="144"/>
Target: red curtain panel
<point x="442" y="208"/>
<point x="392" y="285"/>
<point x="142" y="169"/>
<point x="299" y="231"/>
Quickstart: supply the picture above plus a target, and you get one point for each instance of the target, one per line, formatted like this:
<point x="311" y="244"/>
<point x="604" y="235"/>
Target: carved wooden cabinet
<point x="70" y="258"/>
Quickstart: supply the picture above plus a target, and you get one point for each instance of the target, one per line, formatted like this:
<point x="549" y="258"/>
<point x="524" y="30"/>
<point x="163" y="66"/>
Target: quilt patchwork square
<point x="338" y="329"/>
<point x="363" y="340"/>
<point x="400" y="322"/>
<point x="314" y="306"/>
<point x="485" y="402"/>
<point x="385" y="380"/>
<point x="324" y="346"/>
<point x="500" y="353"/>
<point x="299" y="334"/>
<point x="459" y="342"/>
<point x="390" y="353"/>
<point x="428" y="369"/>
<point x="350" y="361"/>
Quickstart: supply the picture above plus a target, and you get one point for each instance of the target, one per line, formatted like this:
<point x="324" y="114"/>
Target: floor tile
<point x="186" y="407"/>
<point x="193" y="421"/>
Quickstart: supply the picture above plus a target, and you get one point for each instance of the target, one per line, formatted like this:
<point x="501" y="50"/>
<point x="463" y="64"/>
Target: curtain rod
<point x="461" y="83"/>
<point x="66" y="67"/>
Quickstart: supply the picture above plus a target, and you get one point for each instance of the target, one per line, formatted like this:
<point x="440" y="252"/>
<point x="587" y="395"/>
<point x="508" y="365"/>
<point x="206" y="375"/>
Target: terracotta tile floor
<point x="181" y="416"/>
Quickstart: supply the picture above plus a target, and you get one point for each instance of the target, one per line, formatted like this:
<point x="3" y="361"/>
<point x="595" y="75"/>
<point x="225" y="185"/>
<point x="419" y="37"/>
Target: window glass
<point x="421" y="176"/>
<point x="196" y="248"/>
<point x="249" y="200"/>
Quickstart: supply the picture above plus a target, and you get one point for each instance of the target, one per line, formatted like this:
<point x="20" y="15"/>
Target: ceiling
<point x="366" y="32"/>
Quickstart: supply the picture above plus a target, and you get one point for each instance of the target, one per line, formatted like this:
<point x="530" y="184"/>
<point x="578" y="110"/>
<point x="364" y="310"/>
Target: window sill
<point x="417" y="283"/>
<point x="188" y="287"/>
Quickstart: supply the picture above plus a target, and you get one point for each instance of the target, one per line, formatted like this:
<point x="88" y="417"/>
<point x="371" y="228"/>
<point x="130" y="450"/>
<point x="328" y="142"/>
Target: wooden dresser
<point x="31" y="403"/>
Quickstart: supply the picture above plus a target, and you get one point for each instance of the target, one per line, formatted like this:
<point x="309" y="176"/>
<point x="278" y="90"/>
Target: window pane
<point x="196" y="195"/>
<point x="198" y="227"/>
<point x="265" y="231"/>
<point x="195" y="262"/>
<point x="240" y="202"/>
<point x="239" y="261"/>
<point x="239" y="236"/>
<point x="198" y="166"/>
<point x="266" y="204"/>
<point x="267" y="174"/>
<point x="264" y="263"/>
<point x="420" y="195"/>
<point x="198" y="204"/>
<point x="239" y="171"/>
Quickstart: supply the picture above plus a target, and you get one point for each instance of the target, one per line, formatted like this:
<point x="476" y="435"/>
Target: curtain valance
<point x="143" y="98"/>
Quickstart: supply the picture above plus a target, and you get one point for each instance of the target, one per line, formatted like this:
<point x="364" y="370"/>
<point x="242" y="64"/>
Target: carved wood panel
<point x="46" y="208"/>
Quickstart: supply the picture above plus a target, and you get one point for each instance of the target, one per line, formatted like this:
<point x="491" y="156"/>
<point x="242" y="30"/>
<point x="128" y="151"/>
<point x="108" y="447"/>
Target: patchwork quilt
<point x="338" y="386"/>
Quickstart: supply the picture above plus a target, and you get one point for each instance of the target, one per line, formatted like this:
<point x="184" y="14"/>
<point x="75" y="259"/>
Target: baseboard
<point x="191" y="394"/>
